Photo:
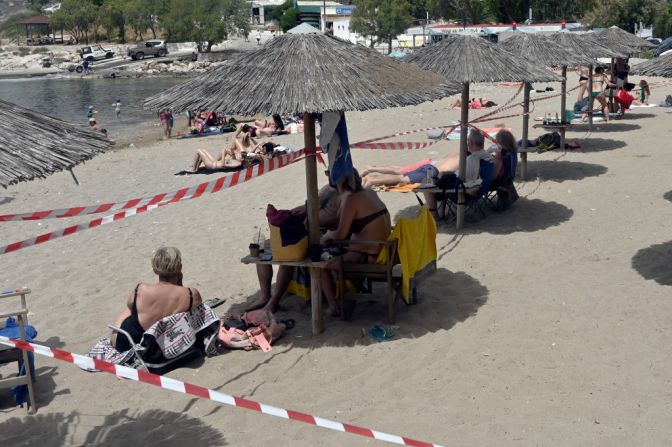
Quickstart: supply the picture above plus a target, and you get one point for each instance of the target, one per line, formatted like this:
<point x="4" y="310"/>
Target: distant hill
<point x="9" y="8"/>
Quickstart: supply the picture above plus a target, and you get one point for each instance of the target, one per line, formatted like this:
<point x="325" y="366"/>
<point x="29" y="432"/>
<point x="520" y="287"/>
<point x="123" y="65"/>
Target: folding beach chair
<point x="503" y="187"/>
<point x="406" y="258"/>
<point x="149" y="355"/>
<point x="473" y="200"/>
<point x="10" y="355"/>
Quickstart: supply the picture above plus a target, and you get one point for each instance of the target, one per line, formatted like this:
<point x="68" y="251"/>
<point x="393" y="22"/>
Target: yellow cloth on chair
<point x="416" y="246"/>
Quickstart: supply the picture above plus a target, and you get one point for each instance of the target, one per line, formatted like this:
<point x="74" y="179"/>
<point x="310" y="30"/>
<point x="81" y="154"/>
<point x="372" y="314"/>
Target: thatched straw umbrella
<point x="35" y="145"/>
<point x="541" y="50"/>
<point x="468" y="59"/>
<point x="586" y="44"/>
<point x="309" y="73"/>
<point x="622" y="41"/>
<point x="659" y="66"/>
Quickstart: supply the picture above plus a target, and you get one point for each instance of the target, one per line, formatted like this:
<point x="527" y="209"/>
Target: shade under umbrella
<point x="35" y="145"/>
<point x="623" y="41"/>
<point x="305" y="73"/>
<point x="659" y="66"/>
<point x="309" y="73"/>
<point x="472" y="59"/>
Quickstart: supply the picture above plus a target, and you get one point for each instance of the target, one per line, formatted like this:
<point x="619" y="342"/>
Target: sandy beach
<point x="547" y="324"/>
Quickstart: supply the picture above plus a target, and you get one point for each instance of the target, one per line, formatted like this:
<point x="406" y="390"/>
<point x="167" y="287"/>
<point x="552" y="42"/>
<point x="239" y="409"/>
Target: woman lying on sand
<point x="231" y="157"/>
<point x="150" y="303"/>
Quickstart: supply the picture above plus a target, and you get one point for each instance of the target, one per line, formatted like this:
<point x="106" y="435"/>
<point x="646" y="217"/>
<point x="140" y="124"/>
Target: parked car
<point x="95" y="53"/>
<point x="665" y="46"/>
<point x="654" y="40"/>
<point x="156" y="48"/>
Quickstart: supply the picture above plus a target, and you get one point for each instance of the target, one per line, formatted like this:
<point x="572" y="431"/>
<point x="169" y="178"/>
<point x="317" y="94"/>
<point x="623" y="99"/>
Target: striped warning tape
<point x="181" y="194"/>
<point x="125" y="372"/>
<point x="220" y="184"/>
<point x="398" y="145"/>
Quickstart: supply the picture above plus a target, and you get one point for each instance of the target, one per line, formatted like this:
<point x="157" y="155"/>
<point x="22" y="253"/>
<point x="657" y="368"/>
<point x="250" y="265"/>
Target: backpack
<point x="256" y="329"/>
<point x="548" y="142"/>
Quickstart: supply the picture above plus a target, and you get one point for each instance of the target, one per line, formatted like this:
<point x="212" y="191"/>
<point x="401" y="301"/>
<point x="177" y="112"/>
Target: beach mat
<point x="643" y="106"/>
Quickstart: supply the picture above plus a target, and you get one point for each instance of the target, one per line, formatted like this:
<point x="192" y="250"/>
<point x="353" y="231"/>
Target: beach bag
<point x="446" y="181"/>
<point x="624" y="98"/>
<point x="289" y="236"/>
<point x="548" y="142"/>
<point x="256" y="329"/>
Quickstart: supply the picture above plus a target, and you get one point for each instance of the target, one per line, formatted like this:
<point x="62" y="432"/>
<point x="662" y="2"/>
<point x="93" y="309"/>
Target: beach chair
<point x="10" y="355"/>
<point x="475" y="198"/>
<point x="149" y="356"/>
<point x="406" y="258"/>
<point x="503" y="187"/>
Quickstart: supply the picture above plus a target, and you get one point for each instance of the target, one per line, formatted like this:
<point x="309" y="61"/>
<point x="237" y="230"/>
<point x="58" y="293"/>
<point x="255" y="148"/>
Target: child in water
<point x="117" y="108"/>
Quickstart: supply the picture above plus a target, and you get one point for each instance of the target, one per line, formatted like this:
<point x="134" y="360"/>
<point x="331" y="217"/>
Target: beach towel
<point x="11" y="330"/>
<point x="334" y="141"/>
<point x="416" y="247"/>
<point x="409" y="187"/>
<point x="643" y="106"/>
<point x="168" y="338"/>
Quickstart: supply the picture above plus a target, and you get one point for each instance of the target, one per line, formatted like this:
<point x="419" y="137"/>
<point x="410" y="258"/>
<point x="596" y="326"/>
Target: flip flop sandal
<point x="379" y="333"/>
<point x="289" y="323"/>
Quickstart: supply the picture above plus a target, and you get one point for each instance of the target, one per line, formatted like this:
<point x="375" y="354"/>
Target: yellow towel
<point x="416" y="246"/>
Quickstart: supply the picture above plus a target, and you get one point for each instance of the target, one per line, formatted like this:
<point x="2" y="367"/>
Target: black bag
<point x="506" y="195"/>
<point x="548" y="142"/>
<point x="447" y="180"/>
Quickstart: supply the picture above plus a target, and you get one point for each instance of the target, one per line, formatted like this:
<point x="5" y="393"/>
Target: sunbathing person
<point x="230" y="158"/>
<point x="264" y="128"/>
<point x="329" y="200"/>
<point x="150" y="303"/>
<point x="362" y="217"/>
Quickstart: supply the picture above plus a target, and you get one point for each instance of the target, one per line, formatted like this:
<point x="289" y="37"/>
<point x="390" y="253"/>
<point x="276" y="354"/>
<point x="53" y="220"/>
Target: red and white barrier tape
<point x="398" y="145"/>
<point x="205" y="393"/>
<point x="228" y="181"/>
<point x="181" y="194"/>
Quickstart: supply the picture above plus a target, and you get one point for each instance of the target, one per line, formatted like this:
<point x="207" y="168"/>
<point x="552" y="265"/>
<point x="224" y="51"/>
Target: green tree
<point x="113" y="16"/>
<point x="624" y="14"/>
<point x="206" y="22"/>
<point x="381" y="20"/>
<point x="662" y="23"/>
<point x="78" y="16"/>
<point x="286" y="15"/>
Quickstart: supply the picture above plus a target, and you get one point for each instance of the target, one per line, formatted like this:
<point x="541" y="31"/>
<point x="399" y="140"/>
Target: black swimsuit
<point x="132" y="325"/>
<point x="357" y="226"/>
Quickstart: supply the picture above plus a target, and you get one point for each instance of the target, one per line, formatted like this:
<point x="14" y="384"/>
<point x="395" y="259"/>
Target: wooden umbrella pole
<point x="464" y="132"/>
<point x="563" y="106"/>
<point x="526" y="127"/>
<point x="590" y="98"/>
<point x="313" y="222"/>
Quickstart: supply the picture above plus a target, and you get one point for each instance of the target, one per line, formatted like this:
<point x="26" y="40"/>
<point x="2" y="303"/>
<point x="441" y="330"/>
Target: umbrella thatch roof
<point x="659" y="66"/>
<point x="305" y="73"/>
<point x="585" y="44"/>
<point x="473" y="59"/>
<point x="35" y="145"/>
<point x="543" y="51"/>
<point x="622" y="41"/>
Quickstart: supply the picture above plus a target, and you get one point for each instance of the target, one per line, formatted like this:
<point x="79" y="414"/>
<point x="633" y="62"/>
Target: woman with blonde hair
<point x="362" y="217"/>
<point x="150" y="303"/>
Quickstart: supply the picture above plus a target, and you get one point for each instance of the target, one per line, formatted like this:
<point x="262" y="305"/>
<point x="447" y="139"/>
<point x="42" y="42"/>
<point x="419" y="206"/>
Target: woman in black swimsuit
<point x="150" y="303"/>
<point x="362" y="217"/>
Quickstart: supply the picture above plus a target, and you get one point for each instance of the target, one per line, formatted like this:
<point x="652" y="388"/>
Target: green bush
<point x="23" y="51"/>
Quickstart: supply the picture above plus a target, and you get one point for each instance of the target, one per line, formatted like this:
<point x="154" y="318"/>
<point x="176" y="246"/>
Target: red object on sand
<point x="624" y="98"/>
